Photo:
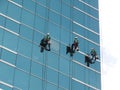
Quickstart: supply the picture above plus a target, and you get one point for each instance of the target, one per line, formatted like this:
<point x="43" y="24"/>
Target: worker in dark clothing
<point x="69" y="50"/>
<point x="45" y="43"/>
<point x="47" y="40"/>
<point x="93" y="54"/>
<point x="75" y="45"/>
<point x="88" y="60"/>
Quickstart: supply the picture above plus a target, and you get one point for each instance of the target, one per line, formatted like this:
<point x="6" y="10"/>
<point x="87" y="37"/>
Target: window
<point x="14" y="11"/>
<point x="30" y="6"/>
<point x="25" y="47"/>
<point x="52" y="76"/>
<point x="36" y="69"/>
<point x="21" y="80"/>
<point x="53" y="60"/>
<point x="36" y="54"/>
<point x="3" y="87"/>
<point x="64" y="81"/>
<point x="26" y="32"/>
<point x="54" y="31"/>
<point x="27" y="18"/>
<point x="3" y="6"/>
<point x="8" y="56"/>
<point x="40" y="24"/>
<point x="13" y="26"/>
<point x="23" y="63"/>
<point x="9" y="39"/>
<point x="35" y="84"/>
<point x="41" y="11"/>
<point x="2" y="21"/>
<point x="64" y="65"/>
<point x="77" y="86"/>
<point x="1" y="36"/>
<point x="55" y="5"/>
<point x="51" y="87"/>
<point x="66" y="10"/>
<point x="54" y="17"/>
<point x="6" y="73"/>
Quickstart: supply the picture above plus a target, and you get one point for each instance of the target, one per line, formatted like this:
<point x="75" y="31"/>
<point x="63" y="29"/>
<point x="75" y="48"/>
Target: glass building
<point x="23" y="23"/>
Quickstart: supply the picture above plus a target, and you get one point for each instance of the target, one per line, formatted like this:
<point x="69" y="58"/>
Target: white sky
<point x="110" y="25"/>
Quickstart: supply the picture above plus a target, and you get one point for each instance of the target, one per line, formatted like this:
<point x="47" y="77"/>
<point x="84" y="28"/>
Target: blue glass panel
<point x="3" y="6"/>
<point x="53" y="60"/>
<point x="98" y="84"/>
<point x="64" y="81"/>
<point x="35" y="67"/>
<point x="14" y="11"/>
<point x="67" y="1"/>
<point x="66" y="23"/>
<point x="30" y="6"/>
<point x="77" y="86"/>
<point x="40" y="24"/>
<point x="79" y="72"/>
<point x="52" y="76"/>
<point x="41" y="1"/>
<point x="2" y="21"/>
<point x="8" y="56"/>
<point x="41" y="11"/>
<point x="25" y="47"/>
<point x="64" y="65"/>
<point x="54" y="17"/>
<point x="27" y="18"/>
<point x="54" y="31"/>
<point x="8" y="39"/>
<point x="81" y="5"/>
<point x="37" y="37"/>
<point x="66" y="10"/>
<point x="23" y="63"/>
<point x="36" y="54"/>
<point x="12" y="26"/>
<point x="65" y="36"/>
<point x="93" y="3"/>
<point x="35" y="84"/>
<point x="51" y="87"/>
<point x="22" y="78"/>
<point x="3" y="87"/>
<point x="1" y="36"/>
<point x="55" y="5"/>
<point x="6" y="70"/>
<point x="26" y="32"/>
<point x="20" y="2"/>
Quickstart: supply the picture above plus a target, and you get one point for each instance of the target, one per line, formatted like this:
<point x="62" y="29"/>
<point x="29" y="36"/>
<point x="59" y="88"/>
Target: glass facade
<point x="23" y="23"/>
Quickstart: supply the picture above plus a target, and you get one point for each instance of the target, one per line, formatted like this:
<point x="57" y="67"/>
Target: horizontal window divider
<point x="85" y="28"/>
<point x="15" y="3"/>
<point x="6" y="29"/>
<point x="85" y="66"/>
<point x="7" y="63"/>
<point x="6" y="84"/>
<point x="88" y="5"/>
<point x="94" y="88"/>
<point x="86" y="38"/>
<point x="54" y="22"/>
<point x="67" y="17"/>
<point x="3" y="47"/>
<point x="9" y="85"/>
<point x="1" y="14"/>
<point x="85" y="13"/>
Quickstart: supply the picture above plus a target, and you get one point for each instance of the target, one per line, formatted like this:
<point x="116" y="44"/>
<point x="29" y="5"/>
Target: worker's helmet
<point x="48" y="33"/>
<point x="75" y="37"/>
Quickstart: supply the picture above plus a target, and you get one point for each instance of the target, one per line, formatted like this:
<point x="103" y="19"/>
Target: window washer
<point x="93" y="54"/>
<point x="45" y="43"/>
<point x="75" y="45"/>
